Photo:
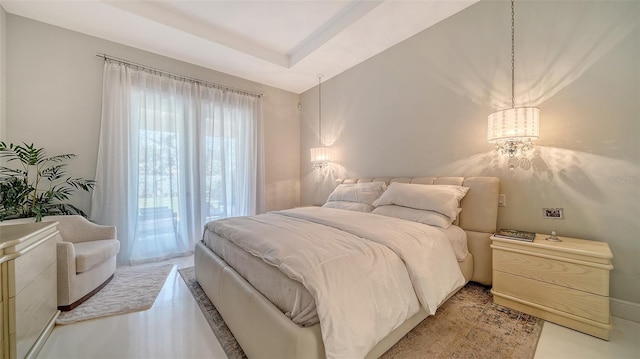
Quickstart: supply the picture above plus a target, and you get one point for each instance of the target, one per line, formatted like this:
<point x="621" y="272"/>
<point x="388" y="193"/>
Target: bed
<point x="264" y="331"/>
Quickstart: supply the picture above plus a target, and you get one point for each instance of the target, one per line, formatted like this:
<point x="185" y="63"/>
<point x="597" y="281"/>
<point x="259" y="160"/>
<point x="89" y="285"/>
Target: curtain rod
<point x="182" y="77"/>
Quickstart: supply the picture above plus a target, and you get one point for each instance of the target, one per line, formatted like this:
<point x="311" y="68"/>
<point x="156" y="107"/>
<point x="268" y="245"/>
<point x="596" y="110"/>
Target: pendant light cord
<point x="513" y="56"/>
<point x="319" y="111"/>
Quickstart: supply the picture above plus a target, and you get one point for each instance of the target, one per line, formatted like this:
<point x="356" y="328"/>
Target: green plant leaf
<point x="54" y="172"/>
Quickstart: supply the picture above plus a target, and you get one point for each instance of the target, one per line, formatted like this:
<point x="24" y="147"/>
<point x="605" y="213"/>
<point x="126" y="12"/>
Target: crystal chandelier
<point x="321" y="155"/>
<point x="512" y="130"/>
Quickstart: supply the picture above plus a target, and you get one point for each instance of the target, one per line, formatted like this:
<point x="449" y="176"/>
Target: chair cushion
<point x="91" y="254"/>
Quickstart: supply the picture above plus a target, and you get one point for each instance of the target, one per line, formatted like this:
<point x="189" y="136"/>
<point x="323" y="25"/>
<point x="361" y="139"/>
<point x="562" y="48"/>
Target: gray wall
<point x="54" y="83"/>
<point x="420" y="108"/>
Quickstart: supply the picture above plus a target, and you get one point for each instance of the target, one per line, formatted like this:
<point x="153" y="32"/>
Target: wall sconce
<point x="512" y="130"/>
<point x="321" y="155"/>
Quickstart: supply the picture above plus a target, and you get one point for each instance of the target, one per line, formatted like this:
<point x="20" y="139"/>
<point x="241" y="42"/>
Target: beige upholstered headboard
<point x="478" y="218"/>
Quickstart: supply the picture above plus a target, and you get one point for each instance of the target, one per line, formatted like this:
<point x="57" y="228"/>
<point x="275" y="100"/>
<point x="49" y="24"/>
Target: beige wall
<point x="420" y="108"/>
<point x="282" y="161"/>
<point x="54" y="83"/>
<point x="3" y="70"/>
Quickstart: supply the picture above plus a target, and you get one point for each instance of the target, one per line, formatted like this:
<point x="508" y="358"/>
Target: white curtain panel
<point x="173" y="155"/>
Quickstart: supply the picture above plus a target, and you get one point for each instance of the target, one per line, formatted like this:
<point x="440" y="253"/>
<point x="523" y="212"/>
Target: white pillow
<point x="358" y="192"/>
<point x="351" y="206"/>
<point x="444" y="199"/>
<point x="415" y="215"/>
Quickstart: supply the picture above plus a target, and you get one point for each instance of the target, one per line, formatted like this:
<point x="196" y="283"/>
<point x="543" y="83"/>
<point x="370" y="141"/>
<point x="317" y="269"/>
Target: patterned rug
<point x="132" y="289"/>
<point x="468" y="325"/>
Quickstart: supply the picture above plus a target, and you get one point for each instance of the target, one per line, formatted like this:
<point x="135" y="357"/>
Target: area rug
<point x="468" y="325"/>
<point x="132" y="289"/>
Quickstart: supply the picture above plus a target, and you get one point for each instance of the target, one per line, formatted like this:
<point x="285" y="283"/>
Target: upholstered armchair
<point x="86" y="258"/>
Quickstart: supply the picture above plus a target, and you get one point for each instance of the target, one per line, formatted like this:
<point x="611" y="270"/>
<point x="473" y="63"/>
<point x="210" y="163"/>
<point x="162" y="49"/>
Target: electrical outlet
<point x="502" y="200"/>
<point x="553" y="213"/>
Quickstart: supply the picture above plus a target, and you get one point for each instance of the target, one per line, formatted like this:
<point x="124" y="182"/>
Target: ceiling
<point x="284" y="44"/>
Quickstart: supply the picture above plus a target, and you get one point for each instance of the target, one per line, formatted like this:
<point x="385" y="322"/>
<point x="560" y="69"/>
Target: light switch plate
<point x="553" y="213"/>
<point x="502" y="200"/>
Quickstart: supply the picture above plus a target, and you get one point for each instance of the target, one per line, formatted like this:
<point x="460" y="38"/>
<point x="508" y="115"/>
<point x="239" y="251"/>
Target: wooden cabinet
<point x="29" y="284"/>
<point x="563" y="282"/>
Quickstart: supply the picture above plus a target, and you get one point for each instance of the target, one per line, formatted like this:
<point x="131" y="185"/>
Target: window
<point x="175" y="154"/>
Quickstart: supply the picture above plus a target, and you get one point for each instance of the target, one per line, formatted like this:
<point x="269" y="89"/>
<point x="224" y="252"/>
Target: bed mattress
<point x="288" y="295"/>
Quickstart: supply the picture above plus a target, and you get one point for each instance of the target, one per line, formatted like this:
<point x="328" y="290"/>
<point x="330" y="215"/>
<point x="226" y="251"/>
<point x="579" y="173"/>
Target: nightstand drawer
<point x="582" y="277"/>
<point x="576" y="302"/>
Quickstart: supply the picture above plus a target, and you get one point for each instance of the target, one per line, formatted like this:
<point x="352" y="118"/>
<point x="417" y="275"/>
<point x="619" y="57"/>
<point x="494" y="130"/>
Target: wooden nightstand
<point x="563" y="282"/>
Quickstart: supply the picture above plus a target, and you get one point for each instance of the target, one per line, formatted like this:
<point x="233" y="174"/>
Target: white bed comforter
<point x="363" y="270"/>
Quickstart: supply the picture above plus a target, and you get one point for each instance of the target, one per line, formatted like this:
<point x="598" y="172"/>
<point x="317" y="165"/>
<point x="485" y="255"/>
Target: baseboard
<point x="625" y="310"/>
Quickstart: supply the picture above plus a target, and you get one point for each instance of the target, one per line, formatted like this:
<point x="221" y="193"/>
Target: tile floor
<point x="175" y="328"/>
<point x="560" y="342"/>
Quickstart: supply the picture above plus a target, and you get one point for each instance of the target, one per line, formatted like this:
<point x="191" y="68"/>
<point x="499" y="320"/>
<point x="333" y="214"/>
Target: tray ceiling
<point x="283" y="44"/>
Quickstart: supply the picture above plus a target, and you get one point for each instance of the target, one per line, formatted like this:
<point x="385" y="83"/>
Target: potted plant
<point x="36" y="185"/>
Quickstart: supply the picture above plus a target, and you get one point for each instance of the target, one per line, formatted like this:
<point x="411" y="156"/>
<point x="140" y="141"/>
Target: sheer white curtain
<point x="173" y="155"/>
